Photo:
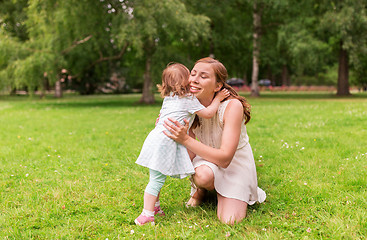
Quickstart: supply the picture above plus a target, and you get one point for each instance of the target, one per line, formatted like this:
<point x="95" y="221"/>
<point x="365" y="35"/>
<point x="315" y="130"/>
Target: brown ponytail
<point x="246" y="105"/>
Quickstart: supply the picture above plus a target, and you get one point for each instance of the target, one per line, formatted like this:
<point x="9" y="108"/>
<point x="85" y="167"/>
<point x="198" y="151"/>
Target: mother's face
<point x="203" y="83"/>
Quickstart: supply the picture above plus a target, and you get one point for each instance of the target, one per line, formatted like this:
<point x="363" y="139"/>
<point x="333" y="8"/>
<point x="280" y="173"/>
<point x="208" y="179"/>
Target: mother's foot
<point x="197" y="198"/>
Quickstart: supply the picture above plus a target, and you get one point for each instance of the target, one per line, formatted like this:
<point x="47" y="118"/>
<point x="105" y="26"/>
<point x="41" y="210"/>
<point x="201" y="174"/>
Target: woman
<point x="222" y="157"/>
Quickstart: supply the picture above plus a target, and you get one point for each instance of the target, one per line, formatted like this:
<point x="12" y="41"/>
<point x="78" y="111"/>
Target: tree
<point x="299" y="46"/>
<point x="345" y="25"/>
<point x="230" y="35"/>
<point x="265" y="25"/>
<point x="12" y="18"/>
<point x="159" y="23"/>
<point x="12" y="33"/>
<point x="72" y="35"/>
<point x="319" y="32"/>
<point x="257" y="12"/>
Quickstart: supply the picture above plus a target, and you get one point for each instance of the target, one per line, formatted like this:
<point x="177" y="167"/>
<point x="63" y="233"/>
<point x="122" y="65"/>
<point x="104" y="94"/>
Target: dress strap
<point x="221" y="110"/>
<point x="244" y="139"/>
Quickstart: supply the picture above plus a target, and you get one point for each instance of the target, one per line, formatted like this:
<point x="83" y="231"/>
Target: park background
<point x="122" y="46"/>
<point x="78" y="97"/>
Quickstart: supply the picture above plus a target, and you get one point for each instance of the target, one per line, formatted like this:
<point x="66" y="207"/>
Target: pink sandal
<point x="142" y="220"/>
<point x="158" y="211"/>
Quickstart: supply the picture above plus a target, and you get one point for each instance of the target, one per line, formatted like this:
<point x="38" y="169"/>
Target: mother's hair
<point x="221" y="76"/>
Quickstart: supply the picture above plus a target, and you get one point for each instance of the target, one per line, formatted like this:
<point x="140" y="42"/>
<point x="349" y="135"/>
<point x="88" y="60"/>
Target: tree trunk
<point x="255" y="91"/>
<point x="245" y="79"/>
<point x="45" y="85"/>
<point x="211" y="49"/>
<point x="58" y="89"/>
<point x="148" y="96"/>
<point x="285" y="81"/>
<point x="343" y="72"/>
<point x="270" y="75"/>
<point x="13" y="91"/>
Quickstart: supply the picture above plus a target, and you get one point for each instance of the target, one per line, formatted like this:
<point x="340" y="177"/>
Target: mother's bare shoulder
<point x="234" y="103"/>
<point x="234" y="109"/>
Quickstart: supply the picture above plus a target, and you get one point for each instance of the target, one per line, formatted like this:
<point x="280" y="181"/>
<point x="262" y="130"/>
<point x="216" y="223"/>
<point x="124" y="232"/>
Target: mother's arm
<point x="222" y="157"/>
<point x="191" y="154"/>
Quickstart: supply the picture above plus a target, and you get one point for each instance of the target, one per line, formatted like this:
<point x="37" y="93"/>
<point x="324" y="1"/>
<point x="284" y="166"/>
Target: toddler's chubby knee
<point x="204" y="176"/>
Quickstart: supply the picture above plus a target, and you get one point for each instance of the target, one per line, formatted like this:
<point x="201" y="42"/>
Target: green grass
<point x="68" y="172"/>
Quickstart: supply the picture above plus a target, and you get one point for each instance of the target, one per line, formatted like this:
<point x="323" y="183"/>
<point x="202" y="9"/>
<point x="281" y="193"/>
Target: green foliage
<point x="13" y="17"/>
<point x="68" y="35"/>
<point x="329" y="77"/>
<point x="361" y="71"/>
<point x="311" y="31"/>
<point x="68" y="171"/>
<point x="307" y="52"/>
<point x="346" y="22"/>
<point x="159" y="30"/>
<point x="230" y="37"/>
<point x="92" y="41"/>
<point x="164" y="20"/>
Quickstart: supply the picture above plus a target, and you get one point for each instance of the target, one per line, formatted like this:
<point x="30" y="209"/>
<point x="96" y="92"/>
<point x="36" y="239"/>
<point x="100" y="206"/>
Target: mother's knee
<point x="204" y="177"/>
<point x="231" y="211"/>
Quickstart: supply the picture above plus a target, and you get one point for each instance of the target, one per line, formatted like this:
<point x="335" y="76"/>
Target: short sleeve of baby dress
<point x="193" y="104"/>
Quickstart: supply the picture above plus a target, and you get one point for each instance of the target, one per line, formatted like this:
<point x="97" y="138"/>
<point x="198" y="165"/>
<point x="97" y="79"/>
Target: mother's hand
<point x="177" y="131"/>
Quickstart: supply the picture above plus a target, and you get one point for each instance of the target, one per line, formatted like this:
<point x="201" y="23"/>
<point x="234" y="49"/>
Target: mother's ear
<point x="219" y="87"/>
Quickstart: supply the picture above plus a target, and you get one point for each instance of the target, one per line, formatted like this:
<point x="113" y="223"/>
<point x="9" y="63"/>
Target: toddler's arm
<point x="210" y="111"/>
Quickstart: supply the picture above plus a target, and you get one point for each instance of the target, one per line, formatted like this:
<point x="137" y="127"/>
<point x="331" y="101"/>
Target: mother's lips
<point x="194" y="89"/>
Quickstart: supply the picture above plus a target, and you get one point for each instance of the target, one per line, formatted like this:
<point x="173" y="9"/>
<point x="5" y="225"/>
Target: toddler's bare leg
<point x="149" y="201"/>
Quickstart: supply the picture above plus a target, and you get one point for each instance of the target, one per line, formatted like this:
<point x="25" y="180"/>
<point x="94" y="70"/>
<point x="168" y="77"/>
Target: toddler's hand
<point x="224" y="93"/>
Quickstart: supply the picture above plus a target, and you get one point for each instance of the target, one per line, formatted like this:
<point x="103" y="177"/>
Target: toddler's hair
<point x="175" y="79"/>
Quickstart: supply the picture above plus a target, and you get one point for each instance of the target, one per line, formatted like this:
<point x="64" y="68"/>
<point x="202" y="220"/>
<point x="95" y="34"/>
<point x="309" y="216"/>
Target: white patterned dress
<point x="163" y="154"/>
<point x="238" y="180"/>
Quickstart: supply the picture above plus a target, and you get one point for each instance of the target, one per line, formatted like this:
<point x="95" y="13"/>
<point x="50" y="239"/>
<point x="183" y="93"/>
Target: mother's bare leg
<point x="231" y="210"/>
<point x="204" y="180"/>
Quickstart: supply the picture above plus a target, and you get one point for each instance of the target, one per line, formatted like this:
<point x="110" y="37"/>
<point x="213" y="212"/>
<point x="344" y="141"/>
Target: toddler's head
<point x="175" y="79"/>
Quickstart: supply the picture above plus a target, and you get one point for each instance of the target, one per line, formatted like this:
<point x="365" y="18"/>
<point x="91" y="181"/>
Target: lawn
<point x="68" y="170"/>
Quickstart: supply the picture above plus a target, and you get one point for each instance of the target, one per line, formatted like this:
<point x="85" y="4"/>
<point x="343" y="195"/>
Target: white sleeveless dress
<point x="239" y="179"/>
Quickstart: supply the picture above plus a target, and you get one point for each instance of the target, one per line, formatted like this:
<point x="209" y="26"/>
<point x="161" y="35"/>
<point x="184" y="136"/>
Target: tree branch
<point x="101" y="59"/>
<point x="65" y="51"/>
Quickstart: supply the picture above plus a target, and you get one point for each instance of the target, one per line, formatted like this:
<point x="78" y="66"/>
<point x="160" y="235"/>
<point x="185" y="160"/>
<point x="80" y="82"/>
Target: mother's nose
<point x="193" y="79"/>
